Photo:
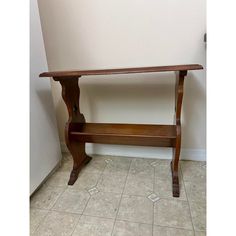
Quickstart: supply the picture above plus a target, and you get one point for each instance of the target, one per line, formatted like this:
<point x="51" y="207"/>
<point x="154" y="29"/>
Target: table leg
<point x="80" y="158"/>
<point x="179" y="87"/>
<point x="71" y="94"/>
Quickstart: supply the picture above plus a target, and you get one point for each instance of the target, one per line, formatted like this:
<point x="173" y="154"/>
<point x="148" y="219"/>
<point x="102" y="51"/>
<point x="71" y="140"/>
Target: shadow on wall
<point x="194" y="113"/>
<point x="129" y="99"/>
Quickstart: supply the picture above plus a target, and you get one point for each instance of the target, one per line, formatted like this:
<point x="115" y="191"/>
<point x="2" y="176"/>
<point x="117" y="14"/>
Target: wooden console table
<point x="78" y="132"/>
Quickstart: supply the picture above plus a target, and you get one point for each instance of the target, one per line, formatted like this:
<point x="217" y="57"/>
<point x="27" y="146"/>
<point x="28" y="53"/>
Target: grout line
<point x="89" y="197"/>
<point x="102" y="172"/>
<point x="187" y="197"/>
<point x="122" y="194"/>
<point x="59" y="197"/>
<point x="40" y="221"/>
<point x="121" y="197"/>
<point x="66" y="212"/>
<point x="76" y="223"/>
<point x="129" y="221"/>
<point x="75" y="226"/>
<point x="201" y="231"/>
<point x="153" y="205"/>
<point x="51" y="209"/>
<point x="144" y="196"/>
<point x="171" y="227"/>
<point x="79" y="217"/>
<point x="64" y="189"/>
<point x="46" y="186"/>
<point x="86" y="205"/>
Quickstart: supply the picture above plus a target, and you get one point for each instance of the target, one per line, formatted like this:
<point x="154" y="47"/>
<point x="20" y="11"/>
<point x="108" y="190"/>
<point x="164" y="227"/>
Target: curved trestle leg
<point x="179" y="87"/>
<point x="175" y="182"/>
<point x="71" y="94"/>
<point x="80" y="158"/>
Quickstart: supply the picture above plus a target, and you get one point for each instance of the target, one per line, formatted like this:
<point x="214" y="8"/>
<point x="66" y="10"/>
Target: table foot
<point x="75" y="172"/>
<point x="175" y="182"/>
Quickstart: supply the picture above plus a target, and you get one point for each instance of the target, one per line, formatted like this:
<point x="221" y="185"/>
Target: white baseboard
<point x="193" y="154"/>
<point x="142" y="152"/>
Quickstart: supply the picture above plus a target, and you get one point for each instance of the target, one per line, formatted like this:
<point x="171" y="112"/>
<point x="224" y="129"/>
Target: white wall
<point x="45" y="151"/>
<point x="89" y="34"/>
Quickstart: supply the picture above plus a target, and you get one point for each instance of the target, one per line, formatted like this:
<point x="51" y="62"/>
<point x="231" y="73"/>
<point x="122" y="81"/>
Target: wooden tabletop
<point x="78" y="73"/>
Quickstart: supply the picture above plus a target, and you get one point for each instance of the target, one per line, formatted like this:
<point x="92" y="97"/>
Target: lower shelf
<point x="127" y="134"/>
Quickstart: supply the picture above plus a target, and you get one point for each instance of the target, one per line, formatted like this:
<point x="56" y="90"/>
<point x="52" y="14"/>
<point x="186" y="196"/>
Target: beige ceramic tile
<point x="66" y="163"/>
<point x="46" y="197"/>
<point x="198" y="212"/>
<point x="165" y="231"/>
<point x="125" y="228"/>
<point x="59" y="179"/>
<point x="136" y="185"/>
<point x="99" y="157"/>
<point x="86" y="180"/>
<point x="142" y="168"/>
<point x="163" y="188"/>
<point x="163" y="171"/>
<point x="172" y="213"/>
<point x="198" y="233"/>
<point x="193" y="171"/>
<point x="57" y="224"/>
<point x="103" y="205"/>
<point x="96" y="165"/>
<point x="73" y="201"/>
<point x="160" y="162"/>
<point x="36" y="217"/>
<point x="121" y="158"/>
<point x="136" y="209"/>
<point x="66" y="155"/>
<point x="111" y="183"/>
<point x="196" y="191"/>
<point x="93" y="226"/>
<point x="118" y="165"/>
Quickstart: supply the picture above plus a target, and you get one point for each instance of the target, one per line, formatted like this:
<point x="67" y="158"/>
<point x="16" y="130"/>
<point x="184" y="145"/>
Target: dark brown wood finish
<point x="69" y="74"/>
<point x="179" y="90"/>
<point x="78" y="132"/>
<point x="70" y="94"/>
<point x="127" y="134"/>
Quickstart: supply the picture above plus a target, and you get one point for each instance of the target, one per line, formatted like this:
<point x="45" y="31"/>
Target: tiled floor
<point x="110" y="197"/>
